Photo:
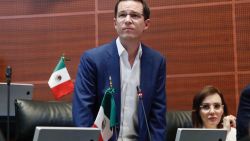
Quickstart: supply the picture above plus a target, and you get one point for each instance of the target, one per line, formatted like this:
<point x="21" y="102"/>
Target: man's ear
<point x="147" y="23"/>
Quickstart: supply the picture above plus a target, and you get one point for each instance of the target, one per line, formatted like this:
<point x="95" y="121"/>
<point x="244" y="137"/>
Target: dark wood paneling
<point x="157" y="3"/>
<point x="109" y="4"/>
<point x="244" y="81"/>
<point x="243" y="36"/>
<point x="42" y="92"/>
<point x="106" y="31"/>
<point x="195" y="40"/>
<point x="106" y="5"/>
<point x="180" y="91"/>
<point x="33" y="46"/>
<point x="28" y="7"/>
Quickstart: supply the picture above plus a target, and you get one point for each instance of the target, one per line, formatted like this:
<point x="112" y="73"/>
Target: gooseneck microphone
<point x="8" y="74"/>
<point x="140" y="96"/>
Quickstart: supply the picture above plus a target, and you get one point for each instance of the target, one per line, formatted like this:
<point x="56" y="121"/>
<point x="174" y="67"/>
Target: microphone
<point x="8" y="74"/>
<point x="140" y="96"/>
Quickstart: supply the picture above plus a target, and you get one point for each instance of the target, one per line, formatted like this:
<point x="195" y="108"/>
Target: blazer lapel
<point x="113" y="70"/>
<point x="146" y="70"/>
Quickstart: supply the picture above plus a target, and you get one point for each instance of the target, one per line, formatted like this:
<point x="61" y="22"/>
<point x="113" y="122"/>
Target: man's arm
<point x="84" y="99"/>
<point x="157" y="119"/>
<point x="243" y="115"/>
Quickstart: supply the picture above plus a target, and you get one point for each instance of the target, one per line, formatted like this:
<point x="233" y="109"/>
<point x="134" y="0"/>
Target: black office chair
<point x="30" y="113"/>
<point x="1" y="136"/>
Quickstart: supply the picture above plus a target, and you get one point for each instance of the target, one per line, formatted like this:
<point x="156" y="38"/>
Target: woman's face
<point x="211" y="111"/>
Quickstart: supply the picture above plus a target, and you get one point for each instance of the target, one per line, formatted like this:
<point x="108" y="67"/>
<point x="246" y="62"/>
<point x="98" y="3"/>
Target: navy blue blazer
<point x="243" y="115"/>
<point x="97" y="64"/>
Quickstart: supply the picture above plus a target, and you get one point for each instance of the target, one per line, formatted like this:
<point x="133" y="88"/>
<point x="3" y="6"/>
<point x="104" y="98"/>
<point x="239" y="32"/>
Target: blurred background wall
<point x="206" y="42"/>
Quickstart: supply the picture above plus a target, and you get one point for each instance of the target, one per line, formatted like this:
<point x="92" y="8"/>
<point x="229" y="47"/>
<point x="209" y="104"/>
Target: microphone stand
<point x="143" y="109"/>
<point x="8" y="80"/>
<point x="115" y="130"/>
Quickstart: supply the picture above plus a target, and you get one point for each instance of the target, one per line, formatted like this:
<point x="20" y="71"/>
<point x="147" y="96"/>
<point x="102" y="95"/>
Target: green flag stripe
<point x="108" y="104"/>
<point x="60" y="65"/>
<point x="113" y="113"/>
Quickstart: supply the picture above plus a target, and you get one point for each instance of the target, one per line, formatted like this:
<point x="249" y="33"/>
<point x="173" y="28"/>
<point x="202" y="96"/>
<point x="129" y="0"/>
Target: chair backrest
<point x="30" y="113"/>
<point x="1" y="136"/>
<point x="175" y="120"/>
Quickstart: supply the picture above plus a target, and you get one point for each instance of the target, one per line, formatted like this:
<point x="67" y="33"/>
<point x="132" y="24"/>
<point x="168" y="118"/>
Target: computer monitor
<point x="200" y="134"/>
<point x="43" y="133"/>
<point x="17" y="91"/>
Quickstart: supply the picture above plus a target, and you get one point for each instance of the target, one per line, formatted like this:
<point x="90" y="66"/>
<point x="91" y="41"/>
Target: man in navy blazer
<point x="130" y="64"/>
<point x="243" y="115"/>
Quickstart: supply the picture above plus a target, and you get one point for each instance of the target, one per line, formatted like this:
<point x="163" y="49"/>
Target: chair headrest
<point x="30" y="113"/>
<point x="175" y="120"/>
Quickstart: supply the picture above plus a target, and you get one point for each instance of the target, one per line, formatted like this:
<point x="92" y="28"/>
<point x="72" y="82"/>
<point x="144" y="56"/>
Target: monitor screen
<point x="43" y="133"/>
<point x="200" y="134"/>
<point x="17" y="91"/>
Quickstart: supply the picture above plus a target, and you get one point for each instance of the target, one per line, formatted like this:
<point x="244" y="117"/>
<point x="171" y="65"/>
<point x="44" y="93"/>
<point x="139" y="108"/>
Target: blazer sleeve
<point x="243" y="115"/>
<point x="84" y="98"/>
<point x="157" y="119"/>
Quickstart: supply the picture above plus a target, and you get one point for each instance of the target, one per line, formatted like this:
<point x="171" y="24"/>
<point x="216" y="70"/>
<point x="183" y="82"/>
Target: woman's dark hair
<point x="146" y="10"/>
<point x="197" y="101"/>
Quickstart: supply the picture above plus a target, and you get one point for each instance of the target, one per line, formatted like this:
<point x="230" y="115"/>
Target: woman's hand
<point x="229" y="121"/>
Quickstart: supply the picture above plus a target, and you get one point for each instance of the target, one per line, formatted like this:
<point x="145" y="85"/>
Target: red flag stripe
<point x="63" y="89"/>
<point x="100" y="137"/>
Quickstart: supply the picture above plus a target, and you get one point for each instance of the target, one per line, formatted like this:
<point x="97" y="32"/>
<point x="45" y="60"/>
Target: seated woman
<point x="210" y="111"/>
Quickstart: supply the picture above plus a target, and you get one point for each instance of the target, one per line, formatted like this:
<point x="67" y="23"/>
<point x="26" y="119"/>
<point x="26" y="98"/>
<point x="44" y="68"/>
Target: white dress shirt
<point x="130" y="78"/>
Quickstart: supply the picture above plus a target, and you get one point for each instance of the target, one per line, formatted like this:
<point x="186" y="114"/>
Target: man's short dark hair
<point x="146" y="10"/>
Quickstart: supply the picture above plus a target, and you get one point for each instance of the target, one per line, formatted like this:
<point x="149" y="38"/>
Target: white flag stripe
<point x="64" y="77"/>
<point x="106" y="132"/>
<point x="99" y="118"/>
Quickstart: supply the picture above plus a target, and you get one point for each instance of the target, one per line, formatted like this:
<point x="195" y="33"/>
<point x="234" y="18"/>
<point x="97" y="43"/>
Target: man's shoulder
<point x="148" y="51"/>
<point x="246" y="91"/>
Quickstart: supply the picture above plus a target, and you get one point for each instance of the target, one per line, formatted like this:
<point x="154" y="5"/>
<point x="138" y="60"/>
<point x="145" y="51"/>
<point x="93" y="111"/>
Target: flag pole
<point x="65" y="58"/>
<point x="110" y="81"/>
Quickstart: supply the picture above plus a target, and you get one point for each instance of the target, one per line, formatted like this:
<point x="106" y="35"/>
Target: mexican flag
<point x="60" y="82"/>
<point x="106" y="117"/>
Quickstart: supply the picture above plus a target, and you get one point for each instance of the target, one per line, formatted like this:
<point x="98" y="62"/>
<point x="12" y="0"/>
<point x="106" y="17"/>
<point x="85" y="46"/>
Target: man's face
<point x="129" y="21"/>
